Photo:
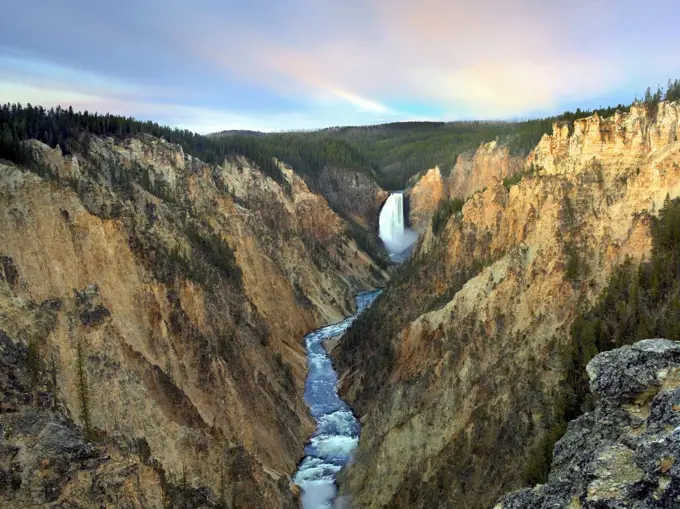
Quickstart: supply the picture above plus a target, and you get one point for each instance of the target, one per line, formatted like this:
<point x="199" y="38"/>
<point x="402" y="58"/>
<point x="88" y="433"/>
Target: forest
<point x="394" y="153"/>
<point x="64" y="128"/>
<point x="390" y="154"/>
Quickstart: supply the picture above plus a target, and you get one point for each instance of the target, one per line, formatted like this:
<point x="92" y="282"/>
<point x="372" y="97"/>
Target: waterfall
<point x="392" y="229"/>
<point x="392" y="217"/>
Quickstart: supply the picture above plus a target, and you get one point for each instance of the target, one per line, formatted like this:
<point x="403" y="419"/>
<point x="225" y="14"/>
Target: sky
<point x="270" y="65"/>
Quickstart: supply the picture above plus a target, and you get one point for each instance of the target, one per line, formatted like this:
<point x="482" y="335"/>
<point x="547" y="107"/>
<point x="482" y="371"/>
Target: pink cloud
<point x="473" y="58"/>
<point x="498" y="58"/>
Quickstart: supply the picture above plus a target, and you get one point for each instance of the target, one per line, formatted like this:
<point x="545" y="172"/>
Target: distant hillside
<point x="392" y="153"/>
<point x="238" y="132"/>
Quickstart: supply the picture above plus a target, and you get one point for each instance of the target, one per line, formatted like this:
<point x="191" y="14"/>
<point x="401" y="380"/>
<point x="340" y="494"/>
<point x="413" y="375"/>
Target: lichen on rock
<point x="625" y="452"/>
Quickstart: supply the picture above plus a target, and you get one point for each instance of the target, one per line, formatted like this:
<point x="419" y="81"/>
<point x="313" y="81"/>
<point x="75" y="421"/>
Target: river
<point x="337" y="430"/>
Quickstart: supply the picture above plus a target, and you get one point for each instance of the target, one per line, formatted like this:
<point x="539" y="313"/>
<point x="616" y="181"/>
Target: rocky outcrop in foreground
<point x="624" y="453"/>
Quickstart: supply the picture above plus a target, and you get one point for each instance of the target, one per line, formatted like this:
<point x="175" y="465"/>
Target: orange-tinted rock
<point x="189" y="286"/>
<point x="425" y="197"/>
<point x="474" y="171"/>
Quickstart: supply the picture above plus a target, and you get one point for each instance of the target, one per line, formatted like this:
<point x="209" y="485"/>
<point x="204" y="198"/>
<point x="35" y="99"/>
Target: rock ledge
<point x="624" y="453"/>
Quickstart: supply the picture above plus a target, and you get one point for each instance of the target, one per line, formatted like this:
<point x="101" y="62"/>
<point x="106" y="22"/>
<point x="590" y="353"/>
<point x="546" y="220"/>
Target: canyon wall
<point x="425" y="197"/>
<point x="352" y="195"/>
<point x="456" y="368"/>
<point x="169" y="298"/>
<point x="473" y="171"/>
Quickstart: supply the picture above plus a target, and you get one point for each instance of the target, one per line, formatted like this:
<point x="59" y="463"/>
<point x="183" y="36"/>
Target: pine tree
<point x="53" y="370"/>
<point x="658" y="94"/>
<point x="222" y="503"/>
<point x="83" y="393"/>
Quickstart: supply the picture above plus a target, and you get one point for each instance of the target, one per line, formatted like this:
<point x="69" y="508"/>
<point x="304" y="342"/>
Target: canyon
<point x="473" y="171"/>
<point x="165" y="301"/>
<point x="163" y="324"/>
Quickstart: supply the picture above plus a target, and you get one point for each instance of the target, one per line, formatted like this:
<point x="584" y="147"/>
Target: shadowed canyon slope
<point x="352" y="194"/>
<point x="170" y="298"/>
<point x="456" y="368"/>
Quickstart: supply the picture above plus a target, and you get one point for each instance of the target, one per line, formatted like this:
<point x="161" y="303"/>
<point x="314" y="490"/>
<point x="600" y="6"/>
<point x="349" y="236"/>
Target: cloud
<point x="72" y="89"/>
<point x="201" y="120"/>
<point x="304" y="62"/>
<point x="361" y="102"/>
<point x="485" y="59"/>
<point x="497" y="89"/>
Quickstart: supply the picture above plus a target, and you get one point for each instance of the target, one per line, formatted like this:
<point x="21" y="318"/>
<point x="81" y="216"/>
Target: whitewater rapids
<point x="337" y="430"/>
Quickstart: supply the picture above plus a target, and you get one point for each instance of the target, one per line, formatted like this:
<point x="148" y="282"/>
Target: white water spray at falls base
<point x="392" y="228"/>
